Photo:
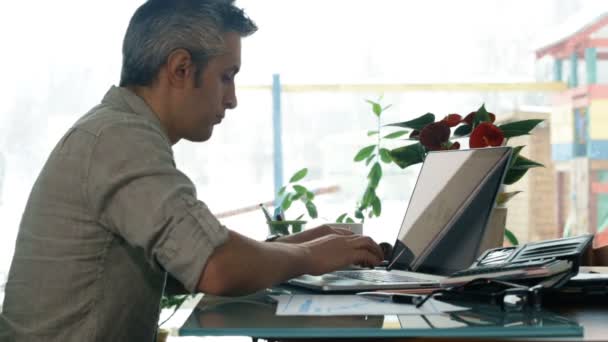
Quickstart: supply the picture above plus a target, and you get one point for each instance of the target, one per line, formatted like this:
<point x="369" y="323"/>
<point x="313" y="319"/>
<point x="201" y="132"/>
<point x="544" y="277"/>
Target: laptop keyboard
<point x="379" y="277"/>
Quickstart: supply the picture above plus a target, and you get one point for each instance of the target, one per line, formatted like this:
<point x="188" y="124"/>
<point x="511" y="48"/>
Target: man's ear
<point x="180" y="68"/>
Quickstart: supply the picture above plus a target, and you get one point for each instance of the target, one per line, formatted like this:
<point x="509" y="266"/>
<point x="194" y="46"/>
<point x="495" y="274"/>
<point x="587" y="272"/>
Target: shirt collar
<point x="126" y="100"/>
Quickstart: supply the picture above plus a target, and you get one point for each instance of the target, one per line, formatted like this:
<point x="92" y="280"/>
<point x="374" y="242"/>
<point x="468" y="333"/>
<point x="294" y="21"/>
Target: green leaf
<point x="370" y="133"/>
<point x="504" y="197"/>
<point x="385" y="155"/>
<point x="523" y="163"/>
<point x="282" y="191"/>
<point x="481" y="115"/>
<point x="395" y="135"/>
<point x="376" y="206"/>
<point x="358" y="214"/>
<point x="300" y="190"/>
<point x="341" y="218"/>
<point x="299" y="217"/>
<point x="310" y="195"/>
<point x="408" y="155"/>
<point x="374" y="175"/>
<point x="513" y="175"/>
<point x="368" y="196"/>
<point x="519" y="167"/>
<point x="286" y="202"/>
<point x="517" y="128"/>
<point x="296" y="197"/>
<point x="364" y="152"/>
<point x="462" y="130"/>
<point x="298" y="175"/>
<point x="515" y="154"/>
<point x="350" y="220"/>
<point x="168" y="302"/>
<point x="417" y="123"/>
<point x="369" y="159"/>
<point x="511" y="237"/>
<point x="312" y="209"/>
<point x="377" y="109"/>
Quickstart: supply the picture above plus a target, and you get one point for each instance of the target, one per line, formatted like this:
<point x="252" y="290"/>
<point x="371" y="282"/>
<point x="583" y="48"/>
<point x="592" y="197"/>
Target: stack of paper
<point x="348" y="305"/>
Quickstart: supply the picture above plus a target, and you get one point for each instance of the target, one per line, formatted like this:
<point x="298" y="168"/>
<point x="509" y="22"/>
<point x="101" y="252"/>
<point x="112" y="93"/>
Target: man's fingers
<point x="366" y="258"/>
<point x="367" y="243"/>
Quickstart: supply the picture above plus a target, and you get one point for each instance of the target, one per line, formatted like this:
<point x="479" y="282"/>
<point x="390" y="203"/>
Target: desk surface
<point x="255" y="316"/>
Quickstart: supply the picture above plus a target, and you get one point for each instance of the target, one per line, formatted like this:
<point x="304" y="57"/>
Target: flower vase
<point x="493" y="236"/>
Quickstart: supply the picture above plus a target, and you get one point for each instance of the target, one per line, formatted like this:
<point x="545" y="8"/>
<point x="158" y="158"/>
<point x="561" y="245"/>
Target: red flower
<point x="469" y="118"/>
<point x="434" y="136"/>
<point x="452" y="119"/>
<point x="486" y="134"/>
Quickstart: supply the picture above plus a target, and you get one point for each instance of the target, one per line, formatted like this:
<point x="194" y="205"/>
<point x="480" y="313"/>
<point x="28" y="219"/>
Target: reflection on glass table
<point x="255" y="316"/>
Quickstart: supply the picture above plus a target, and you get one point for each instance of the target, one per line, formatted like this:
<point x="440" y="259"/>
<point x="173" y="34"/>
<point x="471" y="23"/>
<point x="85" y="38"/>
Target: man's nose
<point x="230" y="101"/>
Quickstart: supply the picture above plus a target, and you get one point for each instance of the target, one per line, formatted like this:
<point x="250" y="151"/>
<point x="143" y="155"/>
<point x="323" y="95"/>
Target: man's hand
<point x="332" y="252"/>
<point x="313" y="233"/>
<point x="242" y="265"/>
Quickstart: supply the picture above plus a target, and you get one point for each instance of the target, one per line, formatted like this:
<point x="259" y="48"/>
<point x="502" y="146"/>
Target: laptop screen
<point x="454" y="195"/>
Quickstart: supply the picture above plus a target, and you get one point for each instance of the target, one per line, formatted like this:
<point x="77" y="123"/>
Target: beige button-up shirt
<point x="108" y="216"/>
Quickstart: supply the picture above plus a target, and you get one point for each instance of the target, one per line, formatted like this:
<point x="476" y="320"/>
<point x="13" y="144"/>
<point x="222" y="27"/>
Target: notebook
<point x="442" y="228"/>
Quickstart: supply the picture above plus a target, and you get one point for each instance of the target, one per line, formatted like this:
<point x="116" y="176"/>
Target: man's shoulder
<point x="106" y="118"/>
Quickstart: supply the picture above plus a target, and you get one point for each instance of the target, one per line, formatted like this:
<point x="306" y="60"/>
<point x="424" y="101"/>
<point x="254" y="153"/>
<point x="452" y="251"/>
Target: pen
<point x="266" y="213"/>
<point x="402" y="298"/>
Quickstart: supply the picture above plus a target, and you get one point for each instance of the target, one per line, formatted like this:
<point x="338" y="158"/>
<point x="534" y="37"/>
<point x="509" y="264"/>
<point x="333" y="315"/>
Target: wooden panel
<point x="562" y="122"/>
<point x="598" y="120"/>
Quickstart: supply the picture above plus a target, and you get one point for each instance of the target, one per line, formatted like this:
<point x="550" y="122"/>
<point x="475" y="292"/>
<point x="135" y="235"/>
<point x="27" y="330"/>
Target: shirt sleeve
<point x="136" y="192"/>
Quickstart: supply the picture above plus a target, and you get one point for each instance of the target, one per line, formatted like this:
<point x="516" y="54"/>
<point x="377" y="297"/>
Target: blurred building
<point x="579" y="121"/>
<point x="532" y="213"/>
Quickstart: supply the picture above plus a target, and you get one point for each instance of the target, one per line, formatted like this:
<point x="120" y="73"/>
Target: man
<point x="110" y="214"/>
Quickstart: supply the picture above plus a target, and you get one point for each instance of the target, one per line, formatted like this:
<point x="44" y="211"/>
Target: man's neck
<point x="154" y="99"/>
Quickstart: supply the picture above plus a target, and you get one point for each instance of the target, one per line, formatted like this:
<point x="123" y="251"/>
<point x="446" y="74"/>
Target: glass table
<point x="255" y="316"/>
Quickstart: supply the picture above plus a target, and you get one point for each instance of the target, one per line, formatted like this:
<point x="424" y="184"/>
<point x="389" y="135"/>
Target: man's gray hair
<point x="159" y="27"/>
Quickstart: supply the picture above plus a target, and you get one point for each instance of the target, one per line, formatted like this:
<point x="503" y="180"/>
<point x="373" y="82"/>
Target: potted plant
<point x="292" y="192"/>
<point x="479" y="129"/>
<point x="423" y="134"/>
<point x="374" y="155"/>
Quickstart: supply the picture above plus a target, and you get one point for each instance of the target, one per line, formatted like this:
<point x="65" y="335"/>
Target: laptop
<point x="443" y="227"/>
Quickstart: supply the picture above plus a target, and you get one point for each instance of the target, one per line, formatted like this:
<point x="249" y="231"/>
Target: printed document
<point x="353" y="305"/>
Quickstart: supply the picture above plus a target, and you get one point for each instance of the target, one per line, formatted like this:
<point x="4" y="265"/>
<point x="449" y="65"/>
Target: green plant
<point x="294" y="191"/>
<point x="375" y="154"/>
<point x="290" y="193"/>
<point x="172" y="301"/>
<point x="425" y="135"/>
<point x="479" y="128"/>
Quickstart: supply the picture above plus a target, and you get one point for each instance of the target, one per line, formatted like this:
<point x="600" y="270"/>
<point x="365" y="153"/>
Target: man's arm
<point x="242" y="265"/>
<point x="313" y="233"/>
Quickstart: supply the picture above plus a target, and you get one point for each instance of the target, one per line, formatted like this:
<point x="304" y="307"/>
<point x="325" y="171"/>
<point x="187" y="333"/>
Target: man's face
<point x="204" y="103"/>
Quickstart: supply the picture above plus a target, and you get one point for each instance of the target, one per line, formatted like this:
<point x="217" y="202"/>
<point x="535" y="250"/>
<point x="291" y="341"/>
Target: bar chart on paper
<point x="344" y="305"/>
